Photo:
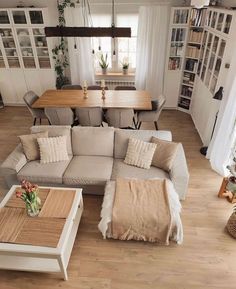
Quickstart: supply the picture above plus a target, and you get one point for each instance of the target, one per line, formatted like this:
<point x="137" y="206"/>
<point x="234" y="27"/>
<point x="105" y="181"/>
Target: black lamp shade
<point x="219" y="94"/>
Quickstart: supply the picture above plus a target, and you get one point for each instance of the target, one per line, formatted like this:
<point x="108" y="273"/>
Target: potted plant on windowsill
<point x="125" y="65"/>
<point x="103" y="63"/>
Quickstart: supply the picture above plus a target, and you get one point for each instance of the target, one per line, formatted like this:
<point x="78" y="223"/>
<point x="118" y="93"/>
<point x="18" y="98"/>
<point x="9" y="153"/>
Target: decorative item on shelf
<point x="85" y="86"/>
<point x="103" y="63"/>
<point x="103" y="85"/>
<point x="125" y="65"/>
<point x="218" y="95"/>
<point x="231" y="224"/>
<point x="29" y="195"/>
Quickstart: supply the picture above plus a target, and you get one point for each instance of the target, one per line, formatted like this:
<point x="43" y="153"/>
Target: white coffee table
<point x="44" y="259"/>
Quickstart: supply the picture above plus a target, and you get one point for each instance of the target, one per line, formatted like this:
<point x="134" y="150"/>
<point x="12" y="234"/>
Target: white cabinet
<point x="215" y="56"/>
<point x="175" y="54"/>
<point x="25" y="53"/>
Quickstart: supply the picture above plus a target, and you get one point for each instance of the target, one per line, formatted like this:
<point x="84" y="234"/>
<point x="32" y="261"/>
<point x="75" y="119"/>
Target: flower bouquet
<point x="29" y="195"/>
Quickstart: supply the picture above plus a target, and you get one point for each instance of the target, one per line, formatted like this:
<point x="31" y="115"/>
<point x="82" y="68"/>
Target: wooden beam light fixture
<point x="63" y="31"/>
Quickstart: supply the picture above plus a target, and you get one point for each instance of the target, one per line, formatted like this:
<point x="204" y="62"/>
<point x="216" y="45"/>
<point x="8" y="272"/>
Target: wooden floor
<point x="207" y="259"/>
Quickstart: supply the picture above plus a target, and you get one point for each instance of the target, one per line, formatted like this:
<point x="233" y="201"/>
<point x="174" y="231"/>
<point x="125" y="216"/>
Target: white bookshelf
<point x="25" y="53"/>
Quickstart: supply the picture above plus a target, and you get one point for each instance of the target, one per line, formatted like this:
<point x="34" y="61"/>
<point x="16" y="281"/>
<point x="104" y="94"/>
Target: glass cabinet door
<point x="41" y="48"/>
<point x="180" y="16"/>
<point x="36" y="17"/>
<point x="2" y="64"/>
<point x="178" y="36"/>
<point x="227" y="23"/>
<point x="26" y="47"/>
<point x="10" y="47"/>
<point x="19" y="17"/>
<point x="4" y="18"/>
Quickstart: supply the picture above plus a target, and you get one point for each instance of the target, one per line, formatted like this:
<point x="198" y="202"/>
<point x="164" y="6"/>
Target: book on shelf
<point x="174" y="63"/>
<point x="184" y="103"/>
<point x="186" y="91"/>
<point x="191" y="65"/>
<point x="188" y="78"/>
<point x="197" y="17"/>
<point x="192" y="51"/>
<point x="178" y="34"/>
<point x="195" y="36"/>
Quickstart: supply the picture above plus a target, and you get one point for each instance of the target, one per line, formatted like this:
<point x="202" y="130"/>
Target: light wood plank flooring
<point x="207" y="259"/>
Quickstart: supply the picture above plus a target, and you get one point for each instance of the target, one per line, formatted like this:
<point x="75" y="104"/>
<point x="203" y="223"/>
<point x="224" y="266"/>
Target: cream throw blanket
<point x="141" y="211"/>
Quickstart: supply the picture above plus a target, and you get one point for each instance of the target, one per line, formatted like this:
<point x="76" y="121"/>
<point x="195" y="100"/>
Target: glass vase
<point x="32" y="209"/>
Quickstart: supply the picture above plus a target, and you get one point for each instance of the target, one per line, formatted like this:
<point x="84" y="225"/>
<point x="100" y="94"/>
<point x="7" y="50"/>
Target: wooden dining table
<point x="136" y="99"/>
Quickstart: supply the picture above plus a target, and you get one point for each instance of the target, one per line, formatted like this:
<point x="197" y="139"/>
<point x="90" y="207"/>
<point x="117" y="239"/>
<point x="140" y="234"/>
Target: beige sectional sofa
<point x="96" y="155"/>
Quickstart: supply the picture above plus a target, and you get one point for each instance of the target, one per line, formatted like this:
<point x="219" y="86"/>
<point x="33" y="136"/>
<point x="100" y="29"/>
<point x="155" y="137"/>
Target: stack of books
<point x="195" y="36"/>
<point x="192" y="51"/>
<point x="197" y="17"/>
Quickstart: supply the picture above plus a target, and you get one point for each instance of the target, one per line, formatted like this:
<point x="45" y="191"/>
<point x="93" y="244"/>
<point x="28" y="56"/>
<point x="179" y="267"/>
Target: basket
<point x="231" y="225"/>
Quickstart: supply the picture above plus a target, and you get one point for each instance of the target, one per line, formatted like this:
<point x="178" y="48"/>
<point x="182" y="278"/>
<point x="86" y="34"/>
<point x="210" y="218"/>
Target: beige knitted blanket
<point x="141" y="211"/>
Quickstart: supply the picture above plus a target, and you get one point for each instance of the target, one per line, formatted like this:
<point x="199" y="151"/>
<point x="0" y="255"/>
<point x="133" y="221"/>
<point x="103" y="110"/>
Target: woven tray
<point x="231" y="225"/>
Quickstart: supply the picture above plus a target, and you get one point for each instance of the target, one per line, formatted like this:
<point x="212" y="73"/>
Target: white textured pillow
<point x="140" y="153"/>
<point x="53" y="149"/>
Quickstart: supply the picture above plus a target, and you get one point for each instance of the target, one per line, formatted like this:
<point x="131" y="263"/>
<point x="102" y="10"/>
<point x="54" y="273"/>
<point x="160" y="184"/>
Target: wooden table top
<point x="136" y="99"/>
<point x="17" y="228"/>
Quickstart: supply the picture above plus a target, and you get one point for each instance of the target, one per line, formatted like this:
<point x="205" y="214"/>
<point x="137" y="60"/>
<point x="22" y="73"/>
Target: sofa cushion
<point x="122" y="139"/>
<point x="88" y="170"/>
<point x="56" y="130"/>
<point x="165" y="153"/>
<point x="120" y="169"/>
<point x="30" y="145"/>
<point x="50" y="173"/>
<point x="53" y="149"/>
<point x="139" y="153"/>
<point x="93" y="141"/>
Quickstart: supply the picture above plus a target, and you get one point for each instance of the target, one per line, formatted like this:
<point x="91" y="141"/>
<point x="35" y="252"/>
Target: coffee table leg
<point x="62" y="267"/>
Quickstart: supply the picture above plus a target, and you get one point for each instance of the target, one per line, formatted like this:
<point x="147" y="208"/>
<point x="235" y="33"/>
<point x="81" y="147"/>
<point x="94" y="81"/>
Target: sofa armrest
<point x="14" y="162"/>
<point x="179" y="173"/>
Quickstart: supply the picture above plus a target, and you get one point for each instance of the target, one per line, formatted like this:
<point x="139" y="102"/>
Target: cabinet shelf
<point x="190" y="85"/>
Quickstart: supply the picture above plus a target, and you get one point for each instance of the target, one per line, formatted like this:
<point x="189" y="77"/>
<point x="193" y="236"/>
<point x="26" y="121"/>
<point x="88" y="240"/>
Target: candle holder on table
<point x="103" y="93"/>
<point x="85" y="92"/>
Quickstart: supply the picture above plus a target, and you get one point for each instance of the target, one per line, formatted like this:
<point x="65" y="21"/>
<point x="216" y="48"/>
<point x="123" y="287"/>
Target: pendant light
<point x="199" y="3"/>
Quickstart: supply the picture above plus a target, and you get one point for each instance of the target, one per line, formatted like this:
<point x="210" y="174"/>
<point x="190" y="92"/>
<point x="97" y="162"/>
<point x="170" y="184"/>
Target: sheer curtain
<point x="80" y="56"/>
<point x="220" y="148"/>
<point x="151" y="48"/>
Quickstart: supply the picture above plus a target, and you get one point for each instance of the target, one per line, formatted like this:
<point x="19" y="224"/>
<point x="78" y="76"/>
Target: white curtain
<point x="220" y="148"/>
<point x="81" y="57"/>
<point x="151" y="48"/>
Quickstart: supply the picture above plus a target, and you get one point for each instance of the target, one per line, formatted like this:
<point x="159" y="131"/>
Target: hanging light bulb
<point x="114" y="56"/>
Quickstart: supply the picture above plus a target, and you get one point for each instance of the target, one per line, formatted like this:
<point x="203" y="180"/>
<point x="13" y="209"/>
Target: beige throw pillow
<point x="30" y="145"/>
<point x="139" y="153"/>
<point x="165" y="153"/>
<point x="53" y="149"/>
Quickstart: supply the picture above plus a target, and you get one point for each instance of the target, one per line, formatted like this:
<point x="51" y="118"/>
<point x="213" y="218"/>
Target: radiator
<point x="111" y="84"/>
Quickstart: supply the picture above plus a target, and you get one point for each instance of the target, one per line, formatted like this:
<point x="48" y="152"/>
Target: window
<point x="123" y="47"/>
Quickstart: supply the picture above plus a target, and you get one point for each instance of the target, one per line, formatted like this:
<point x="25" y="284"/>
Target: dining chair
<point x="120" y="117"/>
<point x="37" y="113"/>
<point x="153" y="114"/>
<point x="72" y="87"/>
<point x="60" y="115"/>
<point x="96" y="87"/>
<point x="125" y="88"/>
<point x="89" y="116"/>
